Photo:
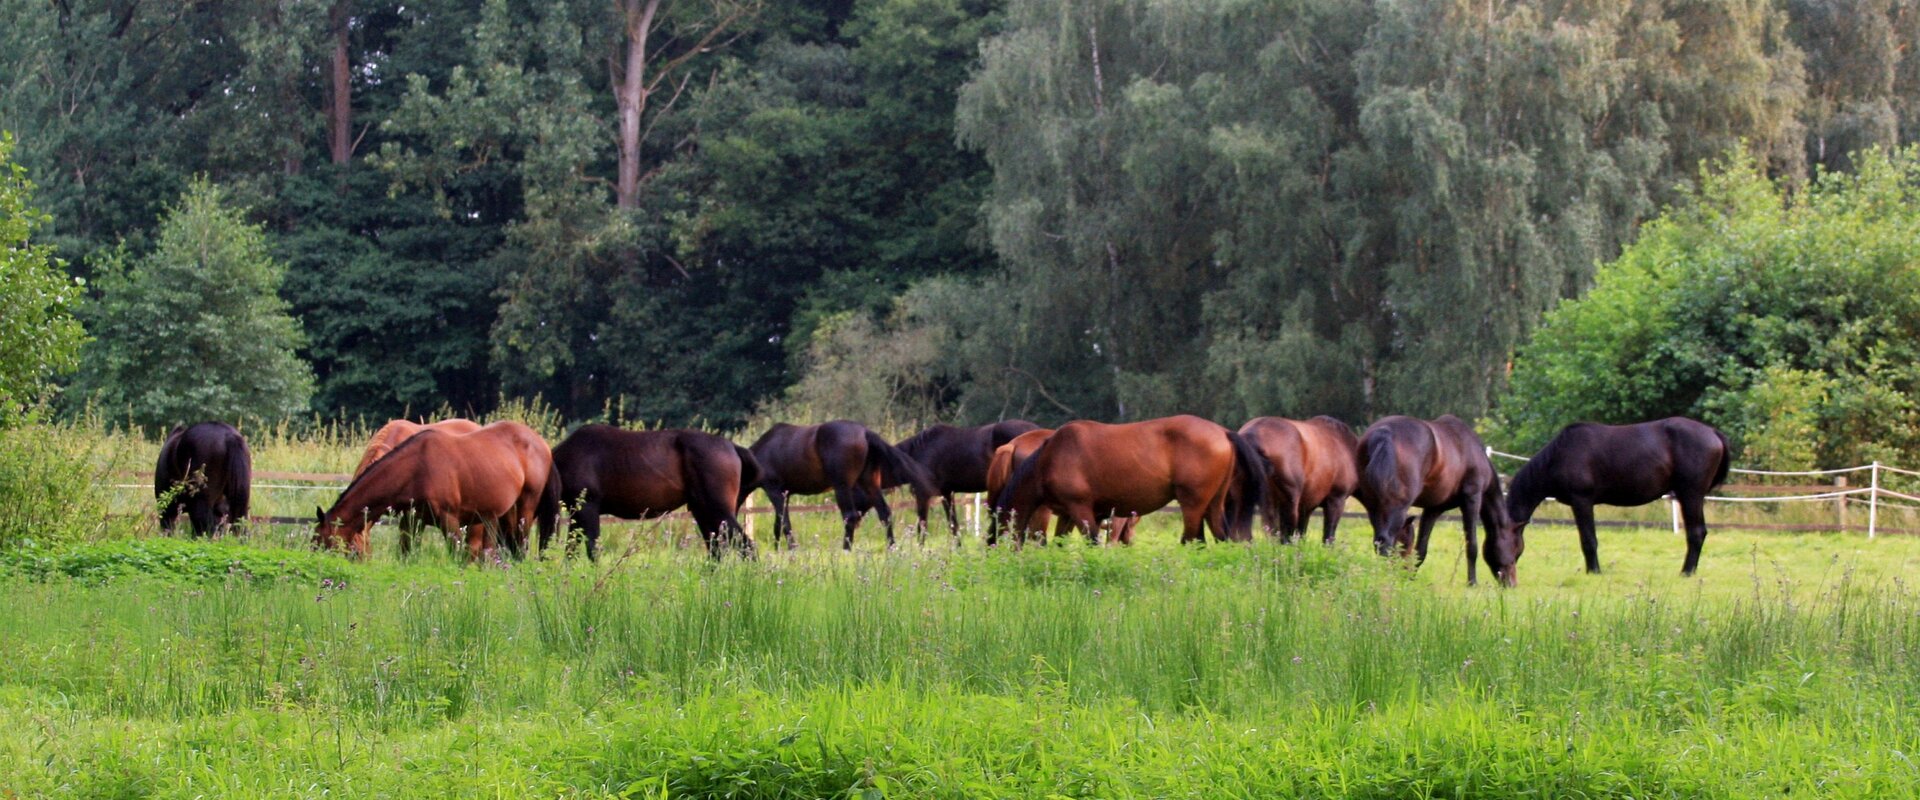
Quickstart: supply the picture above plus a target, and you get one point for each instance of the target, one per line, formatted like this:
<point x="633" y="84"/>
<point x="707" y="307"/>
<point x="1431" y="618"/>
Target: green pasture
<point x="162" y="668"/>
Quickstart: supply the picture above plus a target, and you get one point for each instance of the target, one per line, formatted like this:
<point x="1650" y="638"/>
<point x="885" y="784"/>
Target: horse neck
<point x="381" y="487"/>
<point x="1524" y="494"/>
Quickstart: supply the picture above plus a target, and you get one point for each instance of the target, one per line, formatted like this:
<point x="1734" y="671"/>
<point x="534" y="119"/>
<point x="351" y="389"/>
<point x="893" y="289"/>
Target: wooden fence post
<point x="1873" y="502"/>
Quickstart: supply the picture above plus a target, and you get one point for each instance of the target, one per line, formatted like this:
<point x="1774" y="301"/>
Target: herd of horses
<point x="496" y="484"/>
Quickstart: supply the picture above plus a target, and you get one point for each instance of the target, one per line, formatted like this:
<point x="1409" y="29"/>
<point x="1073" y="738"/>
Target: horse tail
<point x="897" y="468"/>
<point x="546" y="511"/>
<point x="1249" y="492"/>
<point x="239" y="486"/>
<point x="750" y="473"/>
<point x="1381" y="469"/>
<point x="1726" y="459"/>
<point x="1022" y="472"/>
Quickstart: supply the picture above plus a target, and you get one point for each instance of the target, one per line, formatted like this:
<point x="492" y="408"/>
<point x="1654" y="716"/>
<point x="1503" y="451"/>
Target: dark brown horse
<point x="1436" y="466"/>
<point x="842" y="457"/>
<point x="957" y="458"/>
<point x="1090" y="471"/>
<point x="1314" y="465"/>
<point x="1590" y="464"/>
<point x="207" y="470"/>
<point x="390" y="436"/>
<point x="646" y="474"/>
<point x="500" y="477"/>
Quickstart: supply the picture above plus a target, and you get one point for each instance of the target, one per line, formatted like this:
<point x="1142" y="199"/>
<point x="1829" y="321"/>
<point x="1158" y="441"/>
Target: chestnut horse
<point x="842" y="457"/>
<point x="1436" y="466"/>
<point x="957" y="458"/>
<point x="998" y="470"/>
<point x="1314" y="466"/>
<point x="646" y="474"/>
<point x="1590" y="464"/>
<point x="1089" y="471"/>
<point x="390" y="436"/>
<point x="501" y="475"/>
<point x="207" y="470"/>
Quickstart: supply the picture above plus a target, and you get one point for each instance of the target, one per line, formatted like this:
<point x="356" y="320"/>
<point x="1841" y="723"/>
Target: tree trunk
<point x="631" y="94"/>
<point x="340" y="110"/>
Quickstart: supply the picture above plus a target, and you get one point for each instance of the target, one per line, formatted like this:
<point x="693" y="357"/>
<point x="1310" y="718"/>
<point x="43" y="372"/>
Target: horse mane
<point x="1021" y="473"/>
<point x="407" y="446"/>
<point x="1381" y="458"/>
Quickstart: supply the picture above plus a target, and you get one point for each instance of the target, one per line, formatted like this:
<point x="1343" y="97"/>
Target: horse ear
<point x="319" y="515"/>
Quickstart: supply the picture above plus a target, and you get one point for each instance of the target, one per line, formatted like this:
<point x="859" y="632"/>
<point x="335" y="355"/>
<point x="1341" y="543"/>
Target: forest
<point x="710" y="212"/>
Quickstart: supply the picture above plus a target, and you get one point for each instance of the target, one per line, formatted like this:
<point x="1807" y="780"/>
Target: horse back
<point x="789" y="459"/>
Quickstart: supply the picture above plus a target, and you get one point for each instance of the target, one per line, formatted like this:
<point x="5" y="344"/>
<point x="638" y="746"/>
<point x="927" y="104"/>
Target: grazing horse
<point x="206" y="469"/>
<point x="957" y="459"/>
<point x="390" y="436"/>
<point x="1436" y="466"/>
<point x="645" y="474"/>
<point x="842" y="457"/>
<point x="1089" y="471"/>
<point x="501" y="475"/>
<point x="1314" y="466"/>
<point x="1590" y="464"/>
<point x="1004" y="458"/>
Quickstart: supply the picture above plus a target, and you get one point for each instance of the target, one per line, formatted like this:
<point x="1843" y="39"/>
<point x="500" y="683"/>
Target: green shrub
<point x="50" y="486"/>
<point x="174" y="559"/>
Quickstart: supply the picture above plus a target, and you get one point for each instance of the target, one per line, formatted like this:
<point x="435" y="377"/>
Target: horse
<point x="1001" y="467"/>
<point x="390" y="436"/>
<point x="1088" y="471"/>
<point x="646" y="474"/>
<point x="1314" y="465"/>
<point x="957" y="459"/>
<point x="1590" y="464"/>
<point x="207" y="470"/>
<point x="1437" y="466"/>
<point x="501" y="475"/>
<point x="842" y="457"/>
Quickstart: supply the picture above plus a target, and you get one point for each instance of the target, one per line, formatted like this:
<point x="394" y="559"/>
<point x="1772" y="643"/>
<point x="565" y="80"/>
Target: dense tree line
<point x="689" y="209"/>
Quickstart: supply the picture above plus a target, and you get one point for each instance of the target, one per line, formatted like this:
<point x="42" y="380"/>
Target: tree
<point x="195" y="329"/>
<point x="1791" y="320"/>
<point x="39" y="337"/>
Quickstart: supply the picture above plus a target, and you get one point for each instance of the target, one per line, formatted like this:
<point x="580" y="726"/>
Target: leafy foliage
<point x="196" y="329"/>
<point x="1778" y="316"/>
<point x="38" y="334"/>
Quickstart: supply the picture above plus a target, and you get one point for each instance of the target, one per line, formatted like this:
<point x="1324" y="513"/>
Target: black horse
<point x="645" y="474"/>
<point x="1590" y="464"/>
<point x="207" y="470"/>
<point x="842" y="457"/>
<point x="956" y="460"/>
<point x="1437" y="466"/>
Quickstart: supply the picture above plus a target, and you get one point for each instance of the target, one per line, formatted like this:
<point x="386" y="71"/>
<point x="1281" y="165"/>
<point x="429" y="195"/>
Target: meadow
<point x="142" y="666"/>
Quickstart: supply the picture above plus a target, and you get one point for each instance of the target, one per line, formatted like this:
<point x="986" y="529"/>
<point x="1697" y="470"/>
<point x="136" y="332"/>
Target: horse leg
<point x="1693" y="512"/>
<point x="1469" y="516"/>
<point x="953" y="520"/>
<point x="1589" y="538"/>
<point x="1330" y="513"/>
<point x="782" y="523"/>
<point x="850" y="512"/>
<point x="1428" y="519"/>
<point x="1192" y="518"/>
<point x="1077" y="515"/>
<point x="885" y="513"/>
<point x="200" y="513"/>
<point x="587" y="519"/>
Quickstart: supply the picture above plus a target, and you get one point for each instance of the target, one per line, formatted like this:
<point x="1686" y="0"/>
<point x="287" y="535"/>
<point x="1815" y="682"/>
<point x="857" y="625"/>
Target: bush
<point x="1789" y="319"/>
<point x="50" y="486"/>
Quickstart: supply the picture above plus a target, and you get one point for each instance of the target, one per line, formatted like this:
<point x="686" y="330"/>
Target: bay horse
<point x="1001" y="467"/>
<point x="1089" y="471"/>
<point x="646" y="474"/>
<point x="207" y="470"/>
<point x="842" y="457"/>
<point x="1437" y="466"/>
<point x="390" y="436"/>
<point x="1589" y="464"/>
<point x="500" y="476"/>
<point x="1314" y="465"/>
<point x="957" y="459"/>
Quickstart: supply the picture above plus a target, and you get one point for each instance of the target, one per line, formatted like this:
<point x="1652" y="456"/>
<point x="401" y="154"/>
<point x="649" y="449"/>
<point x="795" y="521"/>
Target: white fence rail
<point x="1873" y="490"/>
